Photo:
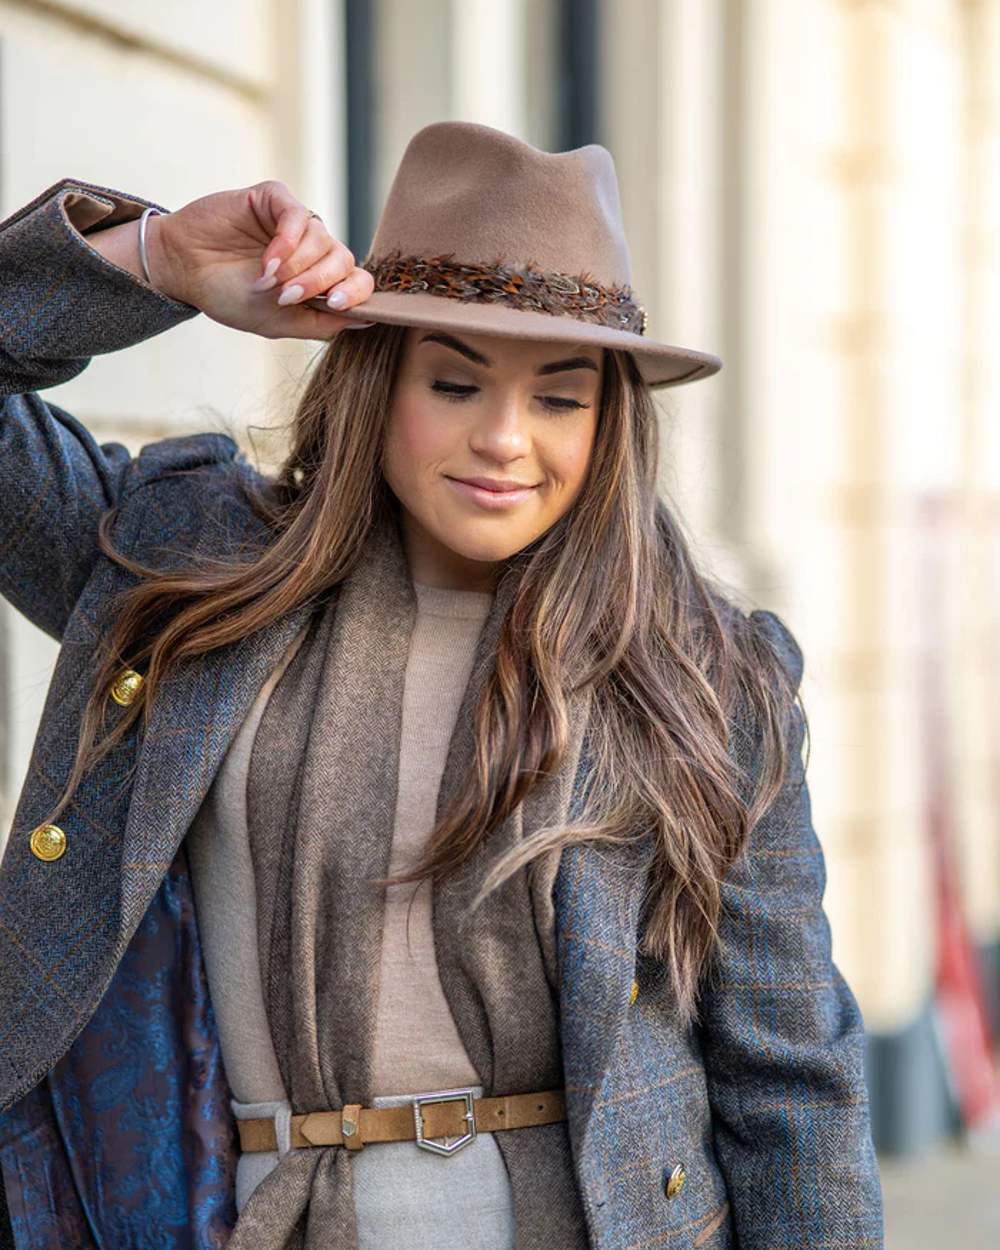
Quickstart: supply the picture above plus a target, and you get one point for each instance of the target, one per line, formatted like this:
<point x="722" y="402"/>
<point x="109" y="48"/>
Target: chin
<point x="482" y="552"/>
<point x="485" y="548"/>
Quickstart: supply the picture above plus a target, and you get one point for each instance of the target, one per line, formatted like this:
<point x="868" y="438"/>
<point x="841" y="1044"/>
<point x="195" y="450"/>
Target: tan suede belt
<point x="441" y="1113"/>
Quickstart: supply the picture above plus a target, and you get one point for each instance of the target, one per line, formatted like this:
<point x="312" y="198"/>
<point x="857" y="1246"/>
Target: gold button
<point x="633" y="993"/>
<point x="676" y="1181"/>
<point x="48" y="842"/>
<point x="126" y="686"/>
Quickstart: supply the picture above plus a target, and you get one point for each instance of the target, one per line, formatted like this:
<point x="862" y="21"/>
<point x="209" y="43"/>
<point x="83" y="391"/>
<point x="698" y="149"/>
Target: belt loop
<point x="283" y="1128"/>
<point x="350" y="1125"/>
<point x="278" y="1110"/>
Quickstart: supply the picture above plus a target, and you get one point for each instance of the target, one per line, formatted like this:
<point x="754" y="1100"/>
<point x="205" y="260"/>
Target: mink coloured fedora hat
<point x="483" y="232"/>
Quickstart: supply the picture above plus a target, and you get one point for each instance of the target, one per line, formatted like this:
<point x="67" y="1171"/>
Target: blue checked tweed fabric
<point x="765" y="1105"/>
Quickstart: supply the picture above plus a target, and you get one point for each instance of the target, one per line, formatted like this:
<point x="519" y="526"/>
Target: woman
<point x="282" y="703"/>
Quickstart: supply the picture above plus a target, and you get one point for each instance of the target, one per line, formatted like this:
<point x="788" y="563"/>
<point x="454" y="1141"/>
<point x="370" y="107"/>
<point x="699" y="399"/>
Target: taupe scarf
<point x="321" y="796"/>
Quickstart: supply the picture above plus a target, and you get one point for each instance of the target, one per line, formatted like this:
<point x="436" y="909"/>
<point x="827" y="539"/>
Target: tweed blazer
<point x="115" y="1125"/>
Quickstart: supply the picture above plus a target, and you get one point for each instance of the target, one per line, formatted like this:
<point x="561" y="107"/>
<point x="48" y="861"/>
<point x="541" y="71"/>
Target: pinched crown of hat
<point x="484" y="232"/>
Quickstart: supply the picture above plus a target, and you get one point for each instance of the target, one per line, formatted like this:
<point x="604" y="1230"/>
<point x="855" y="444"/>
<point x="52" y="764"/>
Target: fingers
<point x="301" y="321"/>
<point x="308" y="264"/>
<point x="318" y="263"/>
<point x="286" y="219"/>
<point x="346" y="292"/>
<point x="300" y="240"/>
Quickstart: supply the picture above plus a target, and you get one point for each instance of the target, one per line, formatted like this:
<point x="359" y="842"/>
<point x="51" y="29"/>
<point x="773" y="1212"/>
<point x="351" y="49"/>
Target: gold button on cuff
<point x="126" y="686"/>
<point x="676" y="1181"/>
<point x="48" y="842"/>
<point x="633" y="993"/>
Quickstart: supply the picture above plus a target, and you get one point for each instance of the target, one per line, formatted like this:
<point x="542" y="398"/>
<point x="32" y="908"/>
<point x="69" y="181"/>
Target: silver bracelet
<point x="143" y="258"/>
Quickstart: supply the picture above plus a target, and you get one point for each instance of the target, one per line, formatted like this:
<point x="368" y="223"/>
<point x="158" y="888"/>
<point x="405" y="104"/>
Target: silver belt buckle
<point x="444" y="1095"/>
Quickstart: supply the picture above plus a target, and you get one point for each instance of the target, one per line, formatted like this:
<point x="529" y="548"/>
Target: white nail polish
<point x="271" y="268"/>
<point x="264" y="283"/>
<point x="337" y="299"/>
<point x="291" y="293"/>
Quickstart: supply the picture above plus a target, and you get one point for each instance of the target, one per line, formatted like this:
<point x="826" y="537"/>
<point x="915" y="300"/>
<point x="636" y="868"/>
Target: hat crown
<point x="482" y="195"/>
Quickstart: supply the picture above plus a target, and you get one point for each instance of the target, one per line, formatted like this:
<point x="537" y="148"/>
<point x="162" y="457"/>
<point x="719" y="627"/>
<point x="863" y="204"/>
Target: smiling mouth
<point x="496" y="485"/>
<point x="491" y="497"/>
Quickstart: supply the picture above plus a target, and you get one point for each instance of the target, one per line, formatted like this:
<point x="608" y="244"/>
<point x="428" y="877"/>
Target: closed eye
<point x="456" y="392"/>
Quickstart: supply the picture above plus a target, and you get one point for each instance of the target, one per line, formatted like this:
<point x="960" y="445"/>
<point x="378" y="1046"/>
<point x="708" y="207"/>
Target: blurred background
<point x="812" y="191"/>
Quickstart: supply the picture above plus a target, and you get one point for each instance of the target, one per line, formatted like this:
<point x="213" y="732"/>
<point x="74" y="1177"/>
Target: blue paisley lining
<point x="129" y="1142"/>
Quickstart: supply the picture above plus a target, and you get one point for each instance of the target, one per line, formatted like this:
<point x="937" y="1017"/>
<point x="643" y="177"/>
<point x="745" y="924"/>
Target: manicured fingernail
<point x="267" y="278"/>
<point x="337" y="299"/>
<point x="358" y="325"/>
<point x="291" y="294"/>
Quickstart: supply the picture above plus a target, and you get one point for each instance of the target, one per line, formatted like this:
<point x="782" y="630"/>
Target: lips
<point x="495" y="496"/>
<point x="495" y="484"/>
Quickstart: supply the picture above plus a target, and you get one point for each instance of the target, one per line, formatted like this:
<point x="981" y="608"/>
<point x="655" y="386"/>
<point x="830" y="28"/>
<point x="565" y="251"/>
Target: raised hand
<point x="250" y="258"/>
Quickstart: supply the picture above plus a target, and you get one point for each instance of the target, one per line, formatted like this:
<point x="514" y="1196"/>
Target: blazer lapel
<point x="192" y="722"/>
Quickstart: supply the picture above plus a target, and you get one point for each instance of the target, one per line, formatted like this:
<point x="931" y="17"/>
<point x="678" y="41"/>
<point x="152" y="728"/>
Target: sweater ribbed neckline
<point x="442" y="601"/>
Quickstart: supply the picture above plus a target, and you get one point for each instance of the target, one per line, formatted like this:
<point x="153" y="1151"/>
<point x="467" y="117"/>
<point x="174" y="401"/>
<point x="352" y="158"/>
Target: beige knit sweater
<point x="417" y="1046"/>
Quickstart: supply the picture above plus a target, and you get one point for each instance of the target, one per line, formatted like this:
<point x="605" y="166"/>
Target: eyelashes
<point x="457" y="393"/>
<point x="452" y="390"/>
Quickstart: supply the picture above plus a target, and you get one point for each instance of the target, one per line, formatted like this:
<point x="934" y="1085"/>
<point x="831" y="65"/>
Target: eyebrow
<point x="554" y="366"/>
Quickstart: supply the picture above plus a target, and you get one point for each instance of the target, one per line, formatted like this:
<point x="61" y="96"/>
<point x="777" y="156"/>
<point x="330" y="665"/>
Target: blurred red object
<point x="961" y="1012"/>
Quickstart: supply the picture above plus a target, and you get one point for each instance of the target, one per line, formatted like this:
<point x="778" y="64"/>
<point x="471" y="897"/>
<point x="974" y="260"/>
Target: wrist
<point x="166" y="271"/>
<point x="120" y="245"/>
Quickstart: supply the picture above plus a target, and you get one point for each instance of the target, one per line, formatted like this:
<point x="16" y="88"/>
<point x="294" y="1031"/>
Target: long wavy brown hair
<point x="610" y="601"/>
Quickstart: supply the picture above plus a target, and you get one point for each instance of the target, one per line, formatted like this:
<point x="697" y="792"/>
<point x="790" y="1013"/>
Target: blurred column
<point x="414" y="76"/>
<point x="310" y="105"/>
<point x="916" y="362"/>
<point x="853" y="274"/>
<point x="488" y="45"/>
<point x="800" y="454"/>
<point x="661" y="79"/>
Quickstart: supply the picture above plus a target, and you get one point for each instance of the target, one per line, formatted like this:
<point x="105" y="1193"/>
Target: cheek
<point x="568" y="459"/>
<point x="412" y="440"/>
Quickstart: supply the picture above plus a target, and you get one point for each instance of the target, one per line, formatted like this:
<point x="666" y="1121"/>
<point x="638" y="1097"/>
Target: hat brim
<point x="661" y="364"/>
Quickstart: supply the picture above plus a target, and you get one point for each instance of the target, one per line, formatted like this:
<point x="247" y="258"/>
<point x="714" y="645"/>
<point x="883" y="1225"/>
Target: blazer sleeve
<point x="783" y="1036"/>
<point x="61" y="303"/>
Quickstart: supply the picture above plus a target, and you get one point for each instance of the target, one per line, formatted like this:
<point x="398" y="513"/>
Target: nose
<point x="502" y="432"/>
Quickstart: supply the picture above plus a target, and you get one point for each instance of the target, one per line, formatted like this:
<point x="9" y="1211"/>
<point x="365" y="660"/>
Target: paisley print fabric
<point x="130" y="1141"/>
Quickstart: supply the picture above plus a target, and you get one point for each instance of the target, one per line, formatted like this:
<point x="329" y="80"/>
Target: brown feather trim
<point x="520" y="286"/>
